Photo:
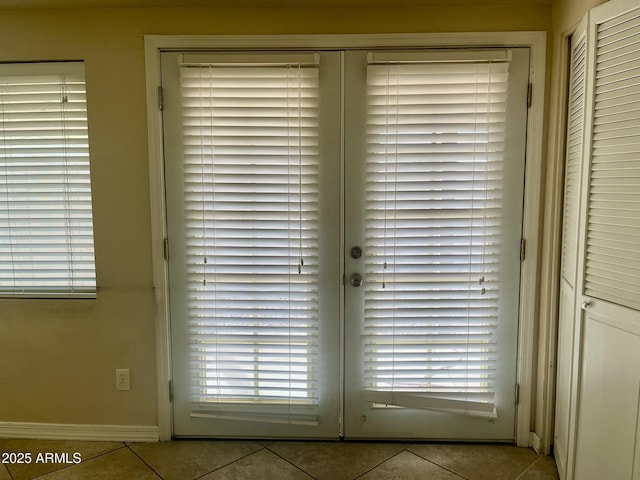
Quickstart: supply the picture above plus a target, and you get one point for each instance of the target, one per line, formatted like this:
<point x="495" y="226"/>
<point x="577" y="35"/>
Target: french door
<point x="344" y="235"/>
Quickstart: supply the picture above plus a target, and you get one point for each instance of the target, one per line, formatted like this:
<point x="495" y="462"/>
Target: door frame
<point x="533" y="203"/>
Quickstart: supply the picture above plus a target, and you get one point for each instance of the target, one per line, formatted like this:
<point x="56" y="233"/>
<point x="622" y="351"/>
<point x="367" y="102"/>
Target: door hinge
<point x="160" y="98"/>
<point x="523" y="249"/>
<point x="165" y="249"/>
<point x="171" y="390"/>
<point x="529" y="94"/>
<point x="517" y="394"/>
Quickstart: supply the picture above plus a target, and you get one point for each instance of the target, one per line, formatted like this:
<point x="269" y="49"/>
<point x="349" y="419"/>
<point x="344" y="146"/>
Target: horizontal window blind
<point x="575" y="134"/>
<point x="436" y="134"/>
<point x="613" y="228"/>
<point x="251" y="235"/>
<point x="46" y="227"/>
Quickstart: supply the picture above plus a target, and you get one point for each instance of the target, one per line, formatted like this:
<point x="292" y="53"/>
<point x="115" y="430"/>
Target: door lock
<point x="356" y="280"/>
<point x="356" y="252"/>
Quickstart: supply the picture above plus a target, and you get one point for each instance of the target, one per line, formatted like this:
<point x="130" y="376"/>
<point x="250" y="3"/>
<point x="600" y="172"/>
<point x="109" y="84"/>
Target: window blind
<point x="575" y="134"/>
<point x="613" y="224"/>
<point x="46" y="226"/>
<point x="434" y="171"/>
<point x="251" y="235"/>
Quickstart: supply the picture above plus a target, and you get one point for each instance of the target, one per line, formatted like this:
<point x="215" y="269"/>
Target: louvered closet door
<point x="252" y="191"/>
<point x="567" y="333"/>
<point x="435" y="173"/>
<point x="613" y="222"/>
<point x="609" y="401"/>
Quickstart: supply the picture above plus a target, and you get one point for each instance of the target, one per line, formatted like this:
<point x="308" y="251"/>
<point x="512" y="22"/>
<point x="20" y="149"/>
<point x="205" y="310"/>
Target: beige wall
<point x="57" y="358"/>
<point x="568" y="13"/>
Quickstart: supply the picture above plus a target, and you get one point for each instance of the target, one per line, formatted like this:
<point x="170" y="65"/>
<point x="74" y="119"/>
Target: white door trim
<point x="154" y="44"/>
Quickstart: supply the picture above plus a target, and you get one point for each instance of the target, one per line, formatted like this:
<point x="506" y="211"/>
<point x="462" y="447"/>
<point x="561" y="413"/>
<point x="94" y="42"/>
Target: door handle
<point x="356" y="280"/>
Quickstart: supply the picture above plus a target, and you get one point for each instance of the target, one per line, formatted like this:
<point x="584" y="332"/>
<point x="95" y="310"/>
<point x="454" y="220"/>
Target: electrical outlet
<point x="123" y="379"/>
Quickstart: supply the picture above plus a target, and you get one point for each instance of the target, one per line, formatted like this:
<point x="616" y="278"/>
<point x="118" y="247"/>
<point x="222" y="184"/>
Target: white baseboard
<point x="54" y="431"/>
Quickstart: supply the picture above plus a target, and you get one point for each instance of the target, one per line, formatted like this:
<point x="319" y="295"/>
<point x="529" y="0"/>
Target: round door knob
<point x="586" y="304"/>
<point x="356" y="280"/>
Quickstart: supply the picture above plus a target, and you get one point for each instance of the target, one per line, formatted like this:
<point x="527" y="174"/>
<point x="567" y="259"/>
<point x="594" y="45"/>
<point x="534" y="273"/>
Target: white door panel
<point x="437" y="209"/>
<point x="609" y="413"/>
<point x="253" y="198"/>
<point x="564" y="375"/>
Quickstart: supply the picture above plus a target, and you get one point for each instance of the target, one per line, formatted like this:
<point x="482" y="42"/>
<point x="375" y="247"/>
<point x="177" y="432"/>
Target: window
<point x="46" y="226"/>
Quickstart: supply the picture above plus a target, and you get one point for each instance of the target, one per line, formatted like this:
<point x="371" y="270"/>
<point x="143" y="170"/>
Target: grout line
<point x="404" y="449"/>
<point x="440" y="466"/>
<point x="105" y="452"/>
<point x="289" y="462"/>
<point x="381" y="463"/>
<point x="459" y="475"/>
<point x="143" y="461"/>
<point x="529" y="467"/>
<point x="6" y="468"/>
<point x="232" y="462"/>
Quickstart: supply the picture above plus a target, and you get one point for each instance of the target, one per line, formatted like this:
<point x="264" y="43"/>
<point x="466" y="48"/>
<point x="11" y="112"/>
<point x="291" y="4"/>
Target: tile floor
<point x="239" y="460"/>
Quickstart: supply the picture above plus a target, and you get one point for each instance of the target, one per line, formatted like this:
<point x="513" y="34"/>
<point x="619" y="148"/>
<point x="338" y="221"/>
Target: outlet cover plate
<point x="123" y="379"/>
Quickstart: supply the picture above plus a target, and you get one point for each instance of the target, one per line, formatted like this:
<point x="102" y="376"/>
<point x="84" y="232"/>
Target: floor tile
<point x="187" y="460"/>
<point x="262" y="464"/>
<point x="336" y="461"/>
<point x="238" y="460"/>
<point x="121" y="464"/>
<point x="407" y="466"/>
<point x="543" y="469"/>
<point x="479" y="462"/>
<point x="87" y="450"/>
<point x="4" y="473"/>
